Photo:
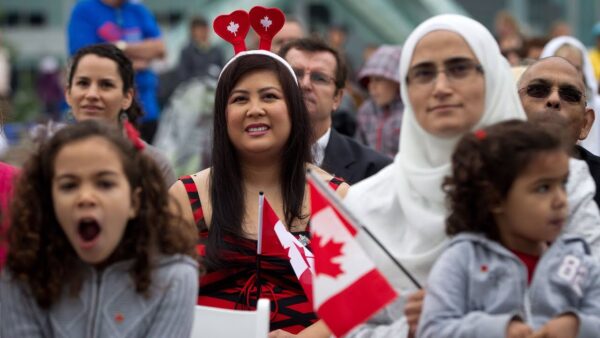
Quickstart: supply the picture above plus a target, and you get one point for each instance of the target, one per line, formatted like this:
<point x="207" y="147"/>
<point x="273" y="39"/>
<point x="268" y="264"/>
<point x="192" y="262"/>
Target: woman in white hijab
<point x="574" y="51"/>
<point x="453" y="80"/>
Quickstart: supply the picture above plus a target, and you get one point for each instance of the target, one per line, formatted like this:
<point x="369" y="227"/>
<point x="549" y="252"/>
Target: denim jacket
<point x="478" y="286"/>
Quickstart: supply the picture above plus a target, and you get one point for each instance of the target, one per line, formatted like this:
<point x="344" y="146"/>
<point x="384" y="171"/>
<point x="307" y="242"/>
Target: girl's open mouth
<point x="88" y="229"/>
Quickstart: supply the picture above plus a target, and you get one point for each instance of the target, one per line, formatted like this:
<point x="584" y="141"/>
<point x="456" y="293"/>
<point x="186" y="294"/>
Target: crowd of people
<point x="481" y="179"/>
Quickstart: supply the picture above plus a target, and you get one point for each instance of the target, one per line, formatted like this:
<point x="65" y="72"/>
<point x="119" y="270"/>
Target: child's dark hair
<point x="40" y="254"/>
<point x="484" y="166"/>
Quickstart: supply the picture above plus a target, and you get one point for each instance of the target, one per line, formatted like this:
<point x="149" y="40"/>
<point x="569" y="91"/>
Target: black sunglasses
<point x="542" y="90"/>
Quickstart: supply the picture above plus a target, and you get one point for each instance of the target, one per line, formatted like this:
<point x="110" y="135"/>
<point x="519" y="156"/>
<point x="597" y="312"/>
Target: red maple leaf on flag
<point x="329" y="251"/>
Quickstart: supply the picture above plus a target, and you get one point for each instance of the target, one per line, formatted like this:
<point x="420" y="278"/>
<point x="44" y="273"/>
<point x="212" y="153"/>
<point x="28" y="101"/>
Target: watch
<point x="121" y="44"/>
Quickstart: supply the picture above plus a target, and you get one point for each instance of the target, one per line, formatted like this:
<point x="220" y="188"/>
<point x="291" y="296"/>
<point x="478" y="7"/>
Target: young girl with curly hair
<point x="93" y="250"/>
<point x="508" y="271"/>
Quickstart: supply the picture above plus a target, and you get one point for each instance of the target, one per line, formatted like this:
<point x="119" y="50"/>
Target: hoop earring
<point x="123" y="117"/>
<point x="70" y="118"/>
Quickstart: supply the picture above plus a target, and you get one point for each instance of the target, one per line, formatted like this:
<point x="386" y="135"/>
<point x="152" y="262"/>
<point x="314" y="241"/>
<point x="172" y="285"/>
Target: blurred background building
<point x="33" y="31"/>
<point x="36" y="27"/>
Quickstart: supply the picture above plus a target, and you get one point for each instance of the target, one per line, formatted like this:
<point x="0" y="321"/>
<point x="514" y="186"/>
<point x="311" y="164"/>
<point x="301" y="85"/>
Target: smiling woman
<point x="261" y="144"/>
<point x="258" y="121"/>
<point x="96" y="90"/>
<point x="100" y="86"/>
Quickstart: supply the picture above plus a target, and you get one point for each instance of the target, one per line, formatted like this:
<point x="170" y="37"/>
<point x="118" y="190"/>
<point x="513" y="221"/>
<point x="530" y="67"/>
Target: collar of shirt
<point x="318" y="148"/>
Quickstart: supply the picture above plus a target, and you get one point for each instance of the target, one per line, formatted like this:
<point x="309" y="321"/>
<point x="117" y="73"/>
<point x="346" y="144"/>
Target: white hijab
<point x="592" y="142"/>
<point x="403" y="205"/>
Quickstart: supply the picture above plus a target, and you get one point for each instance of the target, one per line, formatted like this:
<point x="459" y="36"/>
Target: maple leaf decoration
<point x="233" y="28"/>
<point x="333" y="250"/>
<point x="265" y="22"/>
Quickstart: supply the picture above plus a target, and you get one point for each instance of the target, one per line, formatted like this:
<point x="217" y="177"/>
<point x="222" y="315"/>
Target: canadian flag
<point x="348" y="288"/>
<point x="277" y="241"/>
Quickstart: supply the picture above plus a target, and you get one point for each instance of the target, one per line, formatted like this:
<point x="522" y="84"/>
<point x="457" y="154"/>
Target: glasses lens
<point x="539" y="91"/>
<point x="422" y="74"/>
<point x="319" y="78"/>
<point x="460" y="70"/>
<point x="569" y="94"/>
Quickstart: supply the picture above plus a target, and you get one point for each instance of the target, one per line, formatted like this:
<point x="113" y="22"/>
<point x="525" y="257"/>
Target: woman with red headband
<point x="261" y="144"/>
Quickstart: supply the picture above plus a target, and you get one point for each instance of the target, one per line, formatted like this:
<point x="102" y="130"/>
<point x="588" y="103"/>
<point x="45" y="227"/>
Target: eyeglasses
<point x="455" y="70"/>
<point x="508" y="51"/>
<point x="315" y="77"/>
<point x="543" y="90"/>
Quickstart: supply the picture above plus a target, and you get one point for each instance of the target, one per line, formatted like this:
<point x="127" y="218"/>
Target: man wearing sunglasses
<point x="321" y="76"/>
<point x="554" y="86"/>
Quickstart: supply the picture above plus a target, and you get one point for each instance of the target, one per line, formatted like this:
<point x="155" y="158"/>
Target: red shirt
<point x="530" y="262"/>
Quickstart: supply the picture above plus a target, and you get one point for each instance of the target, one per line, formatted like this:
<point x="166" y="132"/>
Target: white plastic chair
<point x="211" y="322"/>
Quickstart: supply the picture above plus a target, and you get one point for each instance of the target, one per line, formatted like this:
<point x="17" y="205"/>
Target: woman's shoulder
<point x="176" y="262"/>
<point x="192" y="190"/>
<point x="341" y="187"/>
<point x="200" y="180"/>
<point x="164" y="265"/>
<point x="161" y="161"/>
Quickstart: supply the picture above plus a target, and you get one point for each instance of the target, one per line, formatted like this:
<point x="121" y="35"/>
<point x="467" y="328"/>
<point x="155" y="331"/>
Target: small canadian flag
<point x="277" y="241"/>
<point x="347" y="287"/>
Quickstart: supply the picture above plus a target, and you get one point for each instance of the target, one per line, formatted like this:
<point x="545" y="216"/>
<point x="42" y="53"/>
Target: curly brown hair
<point x="484" y="166"/>
<point x="40" y="254"/>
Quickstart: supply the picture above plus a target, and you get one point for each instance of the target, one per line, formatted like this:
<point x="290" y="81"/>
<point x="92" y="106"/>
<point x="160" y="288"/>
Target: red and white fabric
<point x="277" y="241"/>
<point x="348" y="288"/>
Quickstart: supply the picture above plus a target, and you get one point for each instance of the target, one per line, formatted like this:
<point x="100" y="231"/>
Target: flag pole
<point x="261" y="202"/>
<point x="324" y="189"/>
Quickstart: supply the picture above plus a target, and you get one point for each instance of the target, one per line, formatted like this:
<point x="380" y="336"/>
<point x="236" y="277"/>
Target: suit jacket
<point x="350" y="160"/>
<point x="593" y="163"/>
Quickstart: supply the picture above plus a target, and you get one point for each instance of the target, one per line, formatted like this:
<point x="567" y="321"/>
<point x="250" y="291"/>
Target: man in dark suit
<point x="322" y="76"/>
<point x="554" y="86"/>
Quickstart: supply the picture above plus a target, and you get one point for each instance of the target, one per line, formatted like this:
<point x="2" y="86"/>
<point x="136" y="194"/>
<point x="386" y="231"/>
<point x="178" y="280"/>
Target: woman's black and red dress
<point x="235" y="286"/>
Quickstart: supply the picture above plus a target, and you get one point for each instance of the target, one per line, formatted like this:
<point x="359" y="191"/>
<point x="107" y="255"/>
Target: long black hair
<point x="226" y="186"/>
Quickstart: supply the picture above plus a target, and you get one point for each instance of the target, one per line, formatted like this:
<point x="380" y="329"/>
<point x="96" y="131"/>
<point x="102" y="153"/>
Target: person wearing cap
<point x="380" y="116"/>
<point x="595" y="52"/>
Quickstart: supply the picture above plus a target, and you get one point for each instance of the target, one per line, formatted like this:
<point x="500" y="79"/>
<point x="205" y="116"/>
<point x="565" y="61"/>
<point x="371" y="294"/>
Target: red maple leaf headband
<point x="266" y="22"/>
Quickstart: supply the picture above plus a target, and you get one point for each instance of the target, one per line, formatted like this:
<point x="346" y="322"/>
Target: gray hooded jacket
<point x="107" y="304"/>
<point x="478" y="286"/>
